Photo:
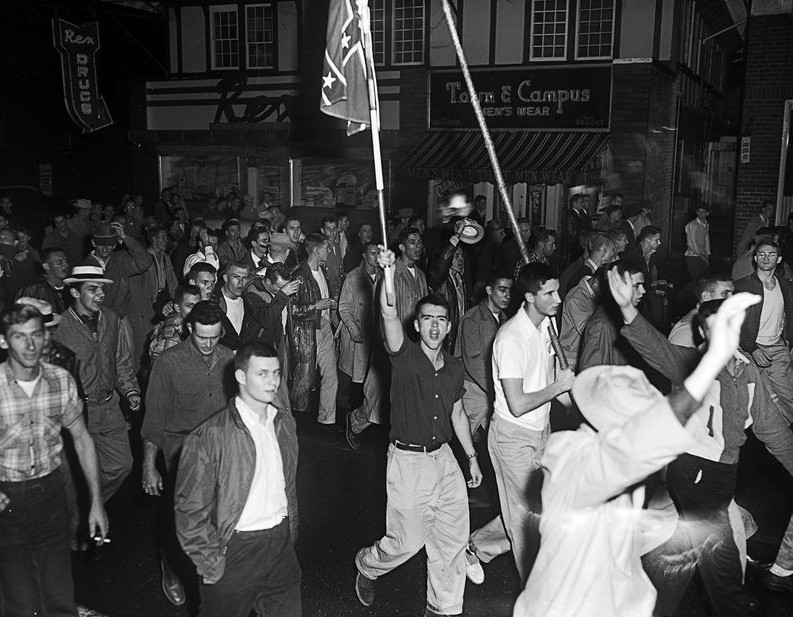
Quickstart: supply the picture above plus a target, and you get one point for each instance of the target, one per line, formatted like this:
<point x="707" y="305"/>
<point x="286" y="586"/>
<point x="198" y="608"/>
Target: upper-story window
<point x="260" y="36"/>
<point x="409" y="24"/>
<point x="377" y="26"/>
<point x="225" y="37"/>
<point x="549" y="29"/>
<point x="595" y="29"/>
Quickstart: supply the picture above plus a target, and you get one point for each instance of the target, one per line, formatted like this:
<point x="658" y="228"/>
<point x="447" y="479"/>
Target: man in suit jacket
<point x="578" y="220"/>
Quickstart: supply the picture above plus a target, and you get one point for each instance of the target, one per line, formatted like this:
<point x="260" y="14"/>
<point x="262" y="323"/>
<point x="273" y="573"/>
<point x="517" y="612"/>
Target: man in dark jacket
<point x="236" y="497"/>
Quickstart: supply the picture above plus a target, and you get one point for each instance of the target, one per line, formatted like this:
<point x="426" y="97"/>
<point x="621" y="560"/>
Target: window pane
<point x="408" y="26"/>
<point x="260" y="34"/>
<point x="225" y="39"/>
<point x="549" y="29"/>
<point x="595" y="29"/>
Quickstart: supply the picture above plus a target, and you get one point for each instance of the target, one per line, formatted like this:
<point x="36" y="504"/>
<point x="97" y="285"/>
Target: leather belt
<point x="409" y="447"/>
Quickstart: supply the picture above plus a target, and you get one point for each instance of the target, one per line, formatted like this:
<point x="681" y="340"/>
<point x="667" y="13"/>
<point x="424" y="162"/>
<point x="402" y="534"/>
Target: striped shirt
<point x="30" y="427"/>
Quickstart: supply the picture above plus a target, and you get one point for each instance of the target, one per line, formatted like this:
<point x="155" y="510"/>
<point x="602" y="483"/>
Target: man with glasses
<point x="766" y="334"/>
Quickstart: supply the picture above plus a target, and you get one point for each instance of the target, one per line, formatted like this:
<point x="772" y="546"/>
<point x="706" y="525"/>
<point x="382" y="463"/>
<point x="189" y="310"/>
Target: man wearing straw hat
<point x="594" y="528"/>
<point x="93" y="332"/>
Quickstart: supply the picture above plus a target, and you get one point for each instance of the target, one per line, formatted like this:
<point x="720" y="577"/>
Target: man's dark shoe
<point x="334" y="428"/>
<point x="364" y="589"/>
<point x="777" y="583"/>
<point x="171" y="586"/>
<point x="353" y="440"/>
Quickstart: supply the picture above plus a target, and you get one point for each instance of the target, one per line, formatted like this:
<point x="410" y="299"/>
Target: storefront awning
<point x="547" y="157"/>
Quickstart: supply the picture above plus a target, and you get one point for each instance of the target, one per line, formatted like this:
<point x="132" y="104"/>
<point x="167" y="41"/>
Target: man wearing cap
<point x="594" y="528"/>
<point x="37" y="400"/>
<point x="80" y="223"/>
<point x="118" y="266"/>
<point x="65" y="238"/>
<point x="93" y="332"/>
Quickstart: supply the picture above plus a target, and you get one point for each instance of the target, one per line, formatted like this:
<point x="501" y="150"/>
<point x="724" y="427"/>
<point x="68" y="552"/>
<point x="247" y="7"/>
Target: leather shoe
<point x="171" y="586"/>
<point x="330" y="428"/>
<point x="353" y="440"/>
<point x="364" y="589"/>
<point x="777" y="583"/>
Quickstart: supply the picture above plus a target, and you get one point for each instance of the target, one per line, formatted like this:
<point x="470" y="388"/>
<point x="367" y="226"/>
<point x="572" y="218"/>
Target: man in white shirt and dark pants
<point x="236" y="498"/>
<point x="526" y="380"/>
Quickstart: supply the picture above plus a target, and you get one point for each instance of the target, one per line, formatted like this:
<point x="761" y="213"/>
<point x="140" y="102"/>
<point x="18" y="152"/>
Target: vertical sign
<point x="77" y="46"/>
<point x="746" y="149"/>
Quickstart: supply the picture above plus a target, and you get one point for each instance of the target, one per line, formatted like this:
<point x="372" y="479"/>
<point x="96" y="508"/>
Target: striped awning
<point x="546" y="157"/>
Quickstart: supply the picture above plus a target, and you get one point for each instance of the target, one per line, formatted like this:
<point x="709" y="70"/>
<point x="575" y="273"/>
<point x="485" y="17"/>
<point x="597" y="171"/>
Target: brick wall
<point x="412" y="130"/>
<point x="769" y="83"/>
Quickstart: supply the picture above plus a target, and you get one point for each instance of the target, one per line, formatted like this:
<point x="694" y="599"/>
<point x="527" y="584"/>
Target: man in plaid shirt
<point x="171" y="331"/>
<point x="37" y="400"/>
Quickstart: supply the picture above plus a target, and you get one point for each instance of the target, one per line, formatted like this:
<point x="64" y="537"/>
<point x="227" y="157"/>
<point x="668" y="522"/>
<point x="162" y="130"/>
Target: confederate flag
<point x="344" y="87"/>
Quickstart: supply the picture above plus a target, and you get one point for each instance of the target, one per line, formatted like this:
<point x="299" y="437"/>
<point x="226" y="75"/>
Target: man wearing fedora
<point x="65" y="238"/>
<point x="594" y="527"/>
<point x="94" y="333"/>
<point x="119" y="266"/>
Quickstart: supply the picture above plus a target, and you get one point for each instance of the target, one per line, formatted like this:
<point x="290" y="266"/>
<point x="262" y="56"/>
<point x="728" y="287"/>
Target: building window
<point x="377" y="25"/>
<point x="225" y="37"/>
<point x="595" y="28"/>
<point x="548" y="29"/>
<point x="408" y="31"/>
<point x="260" y="36"/>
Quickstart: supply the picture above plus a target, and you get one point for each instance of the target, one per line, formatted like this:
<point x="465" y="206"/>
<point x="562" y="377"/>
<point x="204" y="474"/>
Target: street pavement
<point x="341" y="497"/>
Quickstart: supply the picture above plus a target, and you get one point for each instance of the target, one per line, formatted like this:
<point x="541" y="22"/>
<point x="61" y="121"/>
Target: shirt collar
<point x="526" y="323"/>
<point x="249" y="416"/>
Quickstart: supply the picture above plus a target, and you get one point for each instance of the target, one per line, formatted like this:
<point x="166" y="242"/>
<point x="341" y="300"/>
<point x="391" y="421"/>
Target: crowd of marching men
<point x="219" y="337"/>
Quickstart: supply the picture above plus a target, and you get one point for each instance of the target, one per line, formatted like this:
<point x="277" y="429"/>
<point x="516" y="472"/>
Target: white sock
<point x="780" y="571"/>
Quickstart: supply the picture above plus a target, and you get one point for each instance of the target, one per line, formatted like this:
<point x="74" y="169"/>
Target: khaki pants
<point x="329" y="380"/>
<point x="427" y="507"/>
<point x="516" y="452"/>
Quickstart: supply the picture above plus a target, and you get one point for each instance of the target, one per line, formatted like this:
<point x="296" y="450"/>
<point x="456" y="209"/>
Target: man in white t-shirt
<point x="237" y="322"/>
<point x="766" y="334"/>
<point x="526" y="379"/>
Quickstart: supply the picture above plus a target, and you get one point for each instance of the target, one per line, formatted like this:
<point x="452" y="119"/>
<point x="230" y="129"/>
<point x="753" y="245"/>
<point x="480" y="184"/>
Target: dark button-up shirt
<point x="30" y="427"/>
<point x="422" y="398"/>
<point x="185" y="388"/>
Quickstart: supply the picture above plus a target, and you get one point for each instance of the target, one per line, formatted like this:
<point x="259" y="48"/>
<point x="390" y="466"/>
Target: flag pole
<point x="374" y="115"/>
<point x="491" y="151"/>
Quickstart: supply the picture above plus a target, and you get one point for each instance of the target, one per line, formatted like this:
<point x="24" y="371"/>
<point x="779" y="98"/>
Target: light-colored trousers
<point x="427" y="507"/>
<point x="329" y="380"/>
<point x="515" y="453"/>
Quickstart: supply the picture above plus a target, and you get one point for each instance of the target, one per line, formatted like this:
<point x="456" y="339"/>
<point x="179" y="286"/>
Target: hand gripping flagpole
<point x="491" y="151"/>
<point x="374" y="116"/>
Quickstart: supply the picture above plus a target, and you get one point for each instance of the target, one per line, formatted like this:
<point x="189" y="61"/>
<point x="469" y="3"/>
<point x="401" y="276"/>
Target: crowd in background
<point x="149" y="305"/>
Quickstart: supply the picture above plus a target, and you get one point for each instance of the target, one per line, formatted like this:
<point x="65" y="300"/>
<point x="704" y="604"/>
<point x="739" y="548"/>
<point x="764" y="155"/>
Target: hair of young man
<point x="405" y="233"/>
<point x="341" y="216"/>
<point x="314" y="241"/>
<point x="538" y="237"/>
<point x="616" y="234"/>
<point x="769" y="242"/>
<point x="276" y="271"/>
<point x="207" y="313"/>
<point x="227" y="224"/>
<point x="152" y="232"/>
<point x="46" y="254"/>
<point x="707" y="282"/>
<point x="328" y="220"/>
<point x="255" y="232"/>
<point x="574" y="199"/>
<point x="414" y="220"/>
<point x="18" y="314"/>
<point x="196" y="269"/>
<point x="253" y="349"/>
<point x="185" y="290"/>
<point x="648" y="231"/>
<point x="288" y="220"/>
<point x="497" y="275"/>
<point x="532" y="277"/>
<point x="765" y="232"/>
<point x="241" y="265"/>
<point x="611" y="209"/>
<point x="432" y="299"/>
<point x="599" y="242"/>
